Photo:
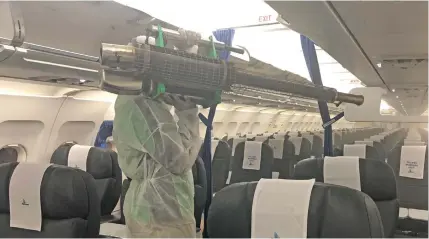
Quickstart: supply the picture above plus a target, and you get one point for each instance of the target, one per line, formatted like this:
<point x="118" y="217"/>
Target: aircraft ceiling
<point x="383" y="43"/>
<point x="277" y="45"/>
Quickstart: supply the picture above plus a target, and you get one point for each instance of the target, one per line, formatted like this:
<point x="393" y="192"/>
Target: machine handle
<point x="349" y="98"/>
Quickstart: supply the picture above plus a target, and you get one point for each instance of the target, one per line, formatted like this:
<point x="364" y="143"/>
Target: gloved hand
<point x="179" y="102"/>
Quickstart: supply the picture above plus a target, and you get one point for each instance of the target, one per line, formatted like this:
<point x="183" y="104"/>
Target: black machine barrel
<point x="199" y="76"/>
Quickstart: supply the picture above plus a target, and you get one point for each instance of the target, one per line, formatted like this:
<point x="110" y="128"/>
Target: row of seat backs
<point x="102" y="164"/>
<point x="70" y="206"/>
<point x="375" y="147"/>
<point x="305" y="146"/>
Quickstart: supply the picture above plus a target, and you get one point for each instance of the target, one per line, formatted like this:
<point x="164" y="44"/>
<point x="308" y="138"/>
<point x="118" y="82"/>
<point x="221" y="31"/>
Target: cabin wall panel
<point x="27" y="133"/>
<point x="27" y="121"/>
<point x="78" y="120"/>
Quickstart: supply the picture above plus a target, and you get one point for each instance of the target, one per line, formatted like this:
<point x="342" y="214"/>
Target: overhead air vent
<point x="404" y="64"/>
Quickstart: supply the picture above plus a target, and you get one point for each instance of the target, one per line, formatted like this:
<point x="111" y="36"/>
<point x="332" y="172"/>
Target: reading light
<point x="379" y="65"/>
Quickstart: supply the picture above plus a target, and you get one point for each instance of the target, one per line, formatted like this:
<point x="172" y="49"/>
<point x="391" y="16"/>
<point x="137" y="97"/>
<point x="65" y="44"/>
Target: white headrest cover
<point x="252" y="155"/>
<point x="358" y="150"/>
<point x="78" y="156"/>
<point x="214" y="145"/>
<point x="297" y="141"/>
<point x="377" y="138"/>
<point x="24" y="196"/>
<point x="280" y="207"/>
<point x="412" y="162"/>
<point x="236" y="141"/>
<point x="366" y="142"/>
<point x="413" y="142"/>
<point x="277" y="146"/>
<point x="261" y="138"/>
<point x="342" y="170"/>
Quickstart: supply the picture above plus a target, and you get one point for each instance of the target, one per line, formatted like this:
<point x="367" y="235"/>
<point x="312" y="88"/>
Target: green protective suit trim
<point x="157" y="152"/>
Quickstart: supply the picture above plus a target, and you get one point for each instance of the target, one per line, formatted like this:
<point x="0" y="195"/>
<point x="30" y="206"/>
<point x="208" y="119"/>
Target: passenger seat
<point x="252" y="161"/>
<point x="362" y="151"/>
<point x="49" y="201"/>
<point x="411" y="171"/>
<point x="371" y="176"/>
<point x="221" y="158"/>
<point x="281" y="208"/>
<point x="284" y="158"/>
<point x="102" y="164"/>
<point x="200" y="189"/>
<point x="302" y="147"/>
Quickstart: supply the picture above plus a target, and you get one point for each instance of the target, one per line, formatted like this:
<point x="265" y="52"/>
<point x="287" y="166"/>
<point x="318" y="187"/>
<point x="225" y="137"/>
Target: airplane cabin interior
<point x="312" y="117"/>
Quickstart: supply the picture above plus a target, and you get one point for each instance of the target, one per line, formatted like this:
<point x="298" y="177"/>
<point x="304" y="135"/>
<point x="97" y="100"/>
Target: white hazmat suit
<point x="157" y="152"/>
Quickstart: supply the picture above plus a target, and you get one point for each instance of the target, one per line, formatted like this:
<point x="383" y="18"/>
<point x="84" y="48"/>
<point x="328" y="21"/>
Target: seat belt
<point x="314" y="71"/>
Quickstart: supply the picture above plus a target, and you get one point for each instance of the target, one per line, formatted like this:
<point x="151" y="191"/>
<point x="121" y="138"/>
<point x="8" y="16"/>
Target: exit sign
<point x="265" y="18"/>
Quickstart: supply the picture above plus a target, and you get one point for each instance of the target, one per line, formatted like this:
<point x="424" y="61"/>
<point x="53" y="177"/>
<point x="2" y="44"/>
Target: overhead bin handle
<point x="10" y="13"/>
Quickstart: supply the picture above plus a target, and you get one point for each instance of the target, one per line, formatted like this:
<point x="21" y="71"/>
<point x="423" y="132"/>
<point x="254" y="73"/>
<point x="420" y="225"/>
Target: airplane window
<point x="12" y="153"/>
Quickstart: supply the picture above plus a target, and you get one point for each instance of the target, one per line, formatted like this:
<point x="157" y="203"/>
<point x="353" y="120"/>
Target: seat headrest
<point x="358" y="150"/>
<point x="63" y="192"/>
<point x="366" y="142"/>
<point x="222" y="150"/>
<point x="235" y="142"/>
<point x="277" y="146"/>
<point x="98" y="162"/>
<point x="252" y="155"/>
<point x="297" y="142"/>
<point x="350" y="213"/>
<point x="376" y="178"/>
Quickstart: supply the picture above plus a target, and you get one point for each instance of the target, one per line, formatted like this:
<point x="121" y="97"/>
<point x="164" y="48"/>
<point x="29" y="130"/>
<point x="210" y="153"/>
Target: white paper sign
<point x="275" y="175"/>
<point x="412" y="162"/>
<point x="277" y="146"/>
<point x="252" y="155"/>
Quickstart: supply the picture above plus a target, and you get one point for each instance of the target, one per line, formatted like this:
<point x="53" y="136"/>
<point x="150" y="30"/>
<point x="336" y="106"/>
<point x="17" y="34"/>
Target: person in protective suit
<point x="157" y="150"/>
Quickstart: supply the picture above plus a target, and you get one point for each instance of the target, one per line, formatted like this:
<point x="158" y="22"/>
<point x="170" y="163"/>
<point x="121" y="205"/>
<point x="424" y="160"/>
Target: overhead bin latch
<point x="11" y="16"/>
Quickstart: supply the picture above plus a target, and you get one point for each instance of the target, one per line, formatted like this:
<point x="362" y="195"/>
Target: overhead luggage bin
<point x="48" y="43"/>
